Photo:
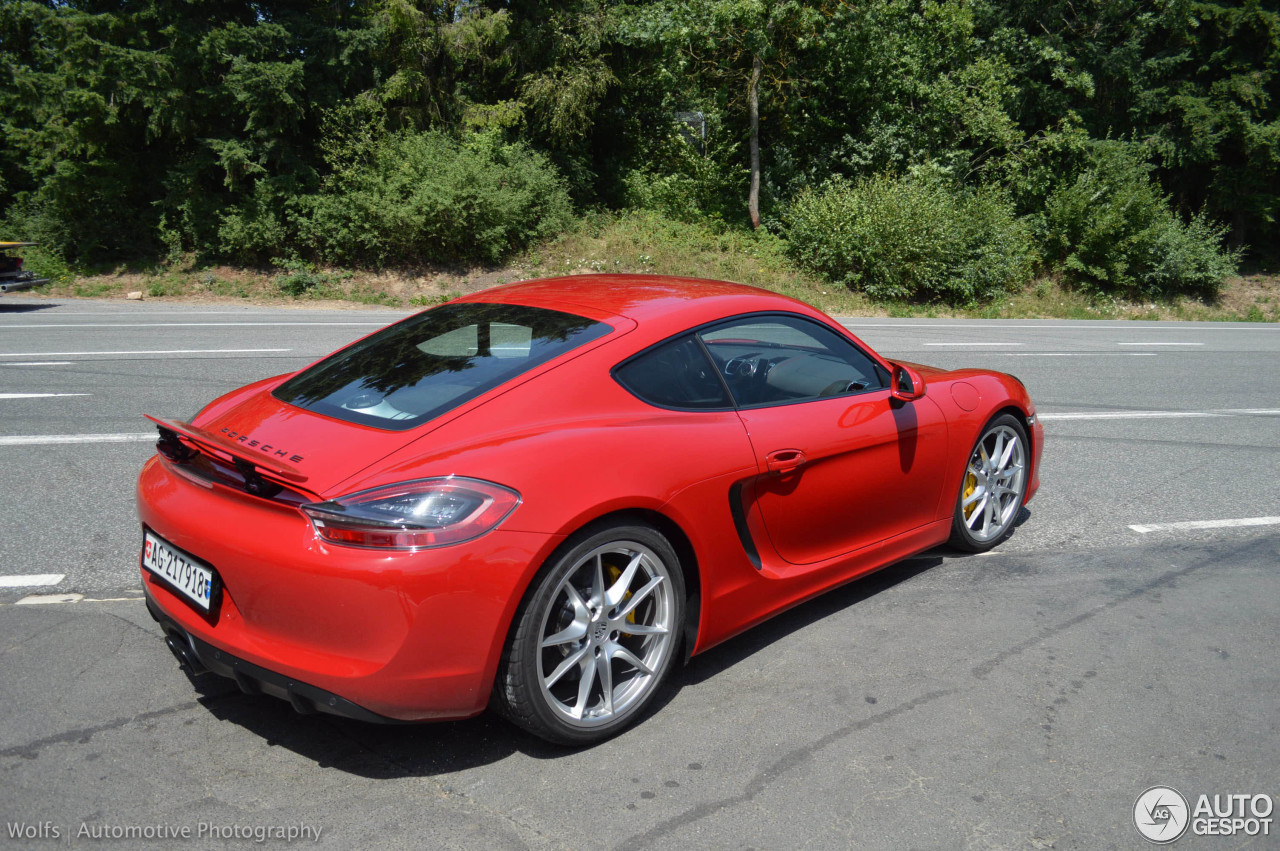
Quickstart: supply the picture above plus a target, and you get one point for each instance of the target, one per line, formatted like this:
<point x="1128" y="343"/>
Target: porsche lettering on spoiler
<point x="232" y="443"/>
<point x="273" y="451"/>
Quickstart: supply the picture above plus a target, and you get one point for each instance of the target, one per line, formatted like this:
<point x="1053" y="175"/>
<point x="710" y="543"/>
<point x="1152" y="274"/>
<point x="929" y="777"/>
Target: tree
<point x="1189" y="82"/>
<point x="727" y="51"/>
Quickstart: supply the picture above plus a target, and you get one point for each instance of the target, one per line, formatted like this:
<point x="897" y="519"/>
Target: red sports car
<point x="542" y="496"/>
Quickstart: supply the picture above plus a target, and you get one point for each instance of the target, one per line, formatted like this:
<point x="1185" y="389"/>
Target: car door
<point x="842" y="465"/>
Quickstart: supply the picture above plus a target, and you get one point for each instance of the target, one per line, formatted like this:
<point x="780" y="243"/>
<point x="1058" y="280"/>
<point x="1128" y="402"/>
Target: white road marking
<point x="1130" y="415"/>
<point x="54" y="599"/>
<point x="1089" y="325"/>
<point x="31" y="580"/>
<point x="133" y="314"/>
<point x="41" y="363"/>
<point x="39" y="395"/>
<point x="148" y="352"/>
<point x="192" y="325"/>
<point x="1144" y="528"/>
<point x="1077" y="354"/>
<point x="1159" y="343"/>
<point x="975" y="345"/>
<point x="50" y="439"/>
<point x="47" y="599"/>
<point x="1158" y="415"/>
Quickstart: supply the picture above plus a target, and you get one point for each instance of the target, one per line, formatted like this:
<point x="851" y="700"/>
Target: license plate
<point x="191" y="579"/>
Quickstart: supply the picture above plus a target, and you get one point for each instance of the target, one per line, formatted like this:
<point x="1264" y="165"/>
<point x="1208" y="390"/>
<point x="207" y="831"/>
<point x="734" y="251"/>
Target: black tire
<point x="621" y="635"/>
<point x="980" y="522"/>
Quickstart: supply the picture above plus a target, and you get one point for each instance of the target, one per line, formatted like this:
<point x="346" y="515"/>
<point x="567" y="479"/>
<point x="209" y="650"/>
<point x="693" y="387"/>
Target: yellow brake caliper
<point x="970" y="485"/>
<point x="614" y="573"/>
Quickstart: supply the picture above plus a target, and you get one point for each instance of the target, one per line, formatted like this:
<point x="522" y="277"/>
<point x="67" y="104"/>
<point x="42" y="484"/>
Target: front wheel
<point x="595" y="637"/>
<point x="995" y="481"/>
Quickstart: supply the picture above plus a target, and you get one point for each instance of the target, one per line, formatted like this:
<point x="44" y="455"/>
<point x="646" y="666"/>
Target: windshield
<point x="431" y="363"/>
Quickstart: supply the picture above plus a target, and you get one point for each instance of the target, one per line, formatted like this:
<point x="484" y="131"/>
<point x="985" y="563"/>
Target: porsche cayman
<point x="544" y="497"/>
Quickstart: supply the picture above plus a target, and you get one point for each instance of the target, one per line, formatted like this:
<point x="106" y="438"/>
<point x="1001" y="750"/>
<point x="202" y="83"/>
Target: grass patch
<point x="641" y="242"/>
<point x="90" y="288"/>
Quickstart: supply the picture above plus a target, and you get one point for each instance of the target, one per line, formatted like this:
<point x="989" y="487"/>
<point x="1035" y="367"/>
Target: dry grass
<point x="641" y="242"/>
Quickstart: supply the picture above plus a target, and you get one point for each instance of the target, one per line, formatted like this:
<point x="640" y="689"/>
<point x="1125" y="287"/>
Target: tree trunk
<point x="1238" y="223"/>
<point x="753" y="107"/>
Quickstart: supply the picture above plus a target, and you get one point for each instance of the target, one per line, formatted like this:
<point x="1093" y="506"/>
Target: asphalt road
<point x="1019" y="699"/>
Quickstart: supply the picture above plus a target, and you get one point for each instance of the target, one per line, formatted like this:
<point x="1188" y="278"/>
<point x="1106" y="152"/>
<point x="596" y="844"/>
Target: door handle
<point x="784" y="460"/>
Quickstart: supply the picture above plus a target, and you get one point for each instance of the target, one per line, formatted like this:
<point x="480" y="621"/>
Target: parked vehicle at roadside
<point x="12" y="276"/>
<point x="544" y="496"/>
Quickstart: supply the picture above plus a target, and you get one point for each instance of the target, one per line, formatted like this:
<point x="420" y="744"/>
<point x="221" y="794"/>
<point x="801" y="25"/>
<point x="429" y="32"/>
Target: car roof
<point x="645" y="299"/>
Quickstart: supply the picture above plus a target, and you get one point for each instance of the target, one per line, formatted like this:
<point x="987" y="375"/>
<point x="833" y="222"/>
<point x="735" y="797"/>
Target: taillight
<point x="413" y="515"/>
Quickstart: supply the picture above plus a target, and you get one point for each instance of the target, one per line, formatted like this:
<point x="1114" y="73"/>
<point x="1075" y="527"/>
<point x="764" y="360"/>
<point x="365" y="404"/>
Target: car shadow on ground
<point x="25" y="308"/>
<point x="737" y="650"/>
<point x="416" y="750"/>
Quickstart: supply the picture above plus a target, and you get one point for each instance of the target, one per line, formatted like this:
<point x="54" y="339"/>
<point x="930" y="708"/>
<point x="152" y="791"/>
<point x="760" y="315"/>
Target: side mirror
<point x="905" y="384"/>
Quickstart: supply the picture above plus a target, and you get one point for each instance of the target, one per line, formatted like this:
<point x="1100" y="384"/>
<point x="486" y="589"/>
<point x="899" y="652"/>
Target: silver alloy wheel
<point x="606" y="634"/>
<point x="994" y="483"/>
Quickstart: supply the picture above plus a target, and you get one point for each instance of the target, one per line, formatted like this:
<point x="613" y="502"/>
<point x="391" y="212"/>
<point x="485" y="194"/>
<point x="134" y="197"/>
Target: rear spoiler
<point x="273" y="467"/>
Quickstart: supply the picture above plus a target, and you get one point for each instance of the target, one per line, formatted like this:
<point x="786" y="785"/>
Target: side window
<point x="674" y="375"/>
<point x="775" y="359"/>
<point x="510" y="341"/>
<point x="461" y="342"/>
<point x="505" y="340"/>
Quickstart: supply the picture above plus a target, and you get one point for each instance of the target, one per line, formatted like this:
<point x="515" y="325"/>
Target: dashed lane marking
<point x="51" y="439"/>
<point x="1157" y="415"/>
<point x="49" y="599"/>
<point x="62" y="599"/>
<point x="1145" y="528"/>
<point x="31" y="580"/>
<point x="39" y="395"/>
<point x="1077" y="354"/>
<point x="146" y="352"/>
<point x="194" y="325"/>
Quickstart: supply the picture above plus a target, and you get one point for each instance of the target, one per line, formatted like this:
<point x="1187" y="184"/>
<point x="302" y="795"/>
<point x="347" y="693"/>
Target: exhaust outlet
<point x="187" y="659"/>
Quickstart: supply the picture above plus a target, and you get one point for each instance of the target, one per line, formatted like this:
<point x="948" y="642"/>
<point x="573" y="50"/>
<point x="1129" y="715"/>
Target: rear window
<point x="431" y="363"/>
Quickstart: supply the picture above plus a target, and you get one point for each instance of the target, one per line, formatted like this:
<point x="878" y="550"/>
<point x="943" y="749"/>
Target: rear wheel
<point x="995" y="480"/>
<point x="595" y="637"/>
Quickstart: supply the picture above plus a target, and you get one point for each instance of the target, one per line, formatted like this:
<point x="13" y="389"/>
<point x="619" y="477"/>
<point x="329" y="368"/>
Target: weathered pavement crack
<point x="83" y="734"/>
<point x="800" y="755"/>
<point x="791" y="760"/>
<point x="1160" y="581"/>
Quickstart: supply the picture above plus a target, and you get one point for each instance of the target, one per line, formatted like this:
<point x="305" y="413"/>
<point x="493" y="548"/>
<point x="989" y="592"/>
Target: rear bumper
<point x="199" y="657"/>
<point x="405" y="636"/>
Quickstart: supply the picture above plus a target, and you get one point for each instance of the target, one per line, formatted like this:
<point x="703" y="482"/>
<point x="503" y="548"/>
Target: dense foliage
<point x="429" y="196"/>
<point x="911" y="238"/>
<point x="925" y="149"/>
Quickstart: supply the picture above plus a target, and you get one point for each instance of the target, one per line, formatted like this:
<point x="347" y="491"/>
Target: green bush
<point x="911" y="239"/>
<point x="681" y="182"/>
<point x="49" y="264"/>
<point x="1114" y="233"/>
<point x="413" y="197"/>
<point x="254" y="229"/>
